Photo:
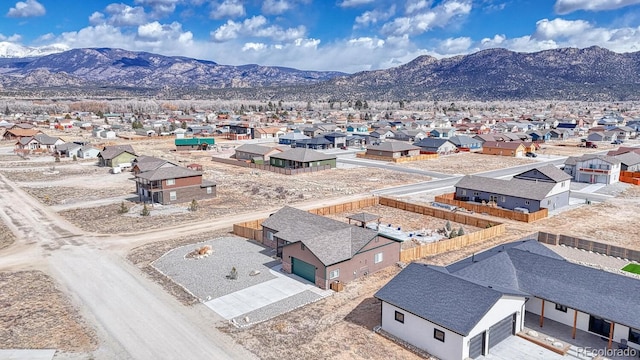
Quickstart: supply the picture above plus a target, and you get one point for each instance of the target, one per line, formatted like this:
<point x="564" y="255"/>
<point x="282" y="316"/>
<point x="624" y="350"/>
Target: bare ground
<point x="466" y="163"/>
<point x="6" y="236"/>
<point x="34" y="314"/>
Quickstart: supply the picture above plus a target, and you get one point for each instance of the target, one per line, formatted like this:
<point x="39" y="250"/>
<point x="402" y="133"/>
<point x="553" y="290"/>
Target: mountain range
<point x="590" y="74"/>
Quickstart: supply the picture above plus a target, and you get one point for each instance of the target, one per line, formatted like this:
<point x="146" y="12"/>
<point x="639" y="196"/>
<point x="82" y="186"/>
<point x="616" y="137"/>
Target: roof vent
<point x="490" y="287"/>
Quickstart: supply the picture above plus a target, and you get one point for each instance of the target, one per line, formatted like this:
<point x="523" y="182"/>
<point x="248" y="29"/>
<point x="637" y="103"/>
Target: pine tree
<point x="194" y="205"/>
<point x="453" y="234"/>
<point x="7" y="111"/>
<point x="145" y="211"/>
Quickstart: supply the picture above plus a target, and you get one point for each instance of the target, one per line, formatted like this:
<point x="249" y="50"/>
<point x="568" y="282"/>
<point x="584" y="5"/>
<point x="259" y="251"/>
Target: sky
<point x="336" y="35"/>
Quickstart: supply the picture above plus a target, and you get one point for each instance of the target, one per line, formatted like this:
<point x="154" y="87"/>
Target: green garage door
<point x="303" y="269"/>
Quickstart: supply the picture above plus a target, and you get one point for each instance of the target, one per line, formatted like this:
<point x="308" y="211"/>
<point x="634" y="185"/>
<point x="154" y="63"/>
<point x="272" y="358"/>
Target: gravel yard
<point x="206" y="277"/>
<point x="466" y="163"/>
<point x="34" y="314"/>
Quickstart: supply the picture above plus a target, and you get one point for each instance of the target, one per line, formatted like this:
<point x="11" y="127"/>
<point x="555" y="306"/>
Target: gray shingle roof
<point x="431" y="143"/>
<point x="254" y="149"/>
<point x="544" y="274"/>
<point x="303" y="155"/>
<point x="393" y="146"/>
<point x="331" y="241"/>
<point x="110" y="152"/>
<point x="574" y="160"/>
<point x="163" y="173"/>
<point x="463" y="140"/>
<point x="550" y="171"/>
<point x="449" y="301"/>
<point x="629" y="159"/>
<point x="524" y="189"/>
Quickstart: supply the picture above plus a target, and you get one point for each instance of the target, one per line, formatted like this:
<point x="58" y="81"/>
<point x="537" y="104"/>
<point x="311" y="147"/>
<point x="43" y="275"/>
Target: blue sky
<point x="342" y="35"/>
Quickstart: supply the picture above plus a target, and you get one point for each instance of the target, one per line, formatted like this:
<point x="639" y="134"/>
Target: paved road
<point x="388" y="166"/>
<point x="133" y="316"/>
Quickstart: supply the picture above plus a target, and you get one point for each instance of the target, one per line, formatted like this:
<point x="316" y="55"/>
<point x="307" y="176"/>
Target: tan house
<point x="325" y="251"/>
<point x="502" y="148"/>
<point x="393" y="150"/>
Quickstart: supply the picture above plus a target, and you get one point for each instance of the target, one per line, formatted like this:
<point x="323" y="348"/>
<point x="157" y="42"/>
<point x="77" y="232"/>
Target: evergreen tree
<point x="7" y="111"/>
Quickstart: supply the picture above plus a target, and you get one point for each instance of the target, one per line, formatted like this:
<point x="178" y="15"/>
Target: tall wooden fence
<point x="449" y="199"/>
<point x="589" y="245"/>
<point x="630" y="177"/>
<point x="275" y="169"/>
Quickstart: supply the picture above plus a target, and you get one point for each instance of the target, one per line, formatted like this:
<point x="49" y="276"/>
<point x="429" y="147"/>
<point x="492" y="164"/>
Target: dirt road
<point x="133" y="316"/>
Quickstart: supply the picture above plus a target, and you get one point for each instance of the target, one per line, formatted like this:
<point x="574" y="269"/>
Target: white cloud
<point x="29" y="8"/>
<point x="120" y="15"/>
<point x="452" y="46"/>
<point x="567" y="6"/>
<point x="372" y="17"/>
<point x="367" y="42"/>
<point x="416" y="5"/>
<point x="254" y="47"/>
<point x="276" y="7"/>
<point x="559" y="28"/>
<point x="354" y="3"/>
<point x="15" y="38"/>
<point x="227" y="9"/>
<point x="438" y="16"/>
<point x="255" y="27"/>
<point x="160" y="8"/>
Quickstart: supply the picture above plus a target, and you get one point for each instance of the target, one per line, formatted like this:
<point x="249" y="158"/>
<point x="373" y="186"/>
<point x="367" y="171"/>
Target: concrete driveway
<point x="518" y="348"/>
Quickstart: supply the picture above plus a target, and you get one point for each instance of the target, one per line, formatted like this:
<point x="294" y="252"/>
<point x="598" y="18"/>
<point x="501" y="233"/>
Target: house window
<point x="475" y="193"/>
<point x="526" y="202"/>
<point x="270" y="235"/>
<point x="464" y="192"/>
<point x="504" y="199"/>
<point x="171" y="181"/>
<point x="334" y="274"/>
<point x="634" y="335"/>
<point x="561" y="308"/>
<point x="399" y="317"/>
<point x="377" y="258"/>
<point x="438" y="334"/>
<point x="172" y="196"/>
<point x="209" y="189"/>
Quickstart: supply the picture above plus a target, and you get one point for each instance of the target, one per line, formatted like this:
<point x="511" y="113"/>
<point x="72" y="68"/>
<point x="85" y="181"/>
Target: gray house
<point x="530" y="191"/>
<point x="440" y="146"/>
<point x="629" y="161"/>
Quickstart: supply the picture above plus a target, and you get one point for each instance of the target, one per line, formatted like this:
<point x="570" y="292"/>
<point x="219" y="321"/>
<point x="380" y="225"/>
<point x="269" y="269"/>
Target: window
<point x="438" y="334"/>
<point x="527" y="202"/>
<point x="634" y="335"/>
<point x="334" y="274"/>
<point x="209" y="189"/>
<point x="561" y="308"/>
<point x="171" y="181"/>
<point x="504" y="198"/>
<point x="377" y="258"/>
<point x="172" y="196"/>
<point x="399" y="317"/>
<point x="270" y="235"/>
<point x="464" y="192"/>
<point x="475" y="193"/>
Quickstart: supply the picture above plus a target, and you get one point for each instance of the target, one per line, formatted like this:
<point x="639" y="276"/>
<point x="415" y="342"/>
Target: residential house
<point x="337" y="139"/>
<point x="357" y="140"/>
<point x="393" y="150"/>
<point x="116" y="155"/>
<point x="318" y="143"/>
<point x="258" y="154"/>
<point x="149" y="163"/>
<point x="466" y="143"/>
<point x="629" y="161"/>
<point x="38" y="142"/>
<point x="69" y="149"/>
<point x="88" y="152"/>
<point x="381" y="134"/>
<point x="301" y="158"/>
<point x="531" y="191"/>
<point x="292" y="138"/>
<point x="172" y="185"/>
<point x="322" y="250"/>
<point x="357" y="128"/>
<point x="624" y="132"/>
<point x="602" y="136"/>
<point x="502" y="148"/>
<point x="240" y="131"/>
<point x="442" y="132"/>
<point x="16" y="133"/>
<point x="593" y="169"/>
<point x="196" y="143"/>
<point x="266" y="132"/>
<point x="465" y="309"/>
<point x="439" y="146"/>
<point x="540" y="135"/>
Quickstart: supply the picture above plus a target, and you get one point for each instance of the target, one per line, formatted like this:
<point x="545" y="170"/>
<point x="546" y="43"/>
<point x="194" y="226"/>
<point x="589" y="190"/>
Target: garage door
<point x="303" y="269"/>
<point x="501" y="330"/>
<point x="475" y="345"/>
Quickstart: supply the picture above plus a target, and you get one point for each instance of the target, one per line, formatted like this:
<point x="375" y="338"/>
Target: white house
<point x="593" y="169"/>
<point x="464" y="309"/>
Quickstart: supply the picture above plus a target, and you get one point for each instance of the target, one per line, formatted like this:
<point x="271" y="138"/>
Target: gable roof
<point x="524" y="189"/>
<point x="110" y="152"/>
<point x="551" y="172"/>
<point x="163" y="173"/>
<point x="432" y="143"/>
<point x="294" y="136"/>
<point x="303" y="155"/>
<point x="435" y="295"/>
<point x="463" y="140"/>
<point x="510" y="145"/>
<point x="331" y="241"/>
<point x="393" y="146"/>
<point x="574" y="160"/>
<point x="255" y="149"/>
<point x="20" y="132"/>
<point x="629" y="159"/>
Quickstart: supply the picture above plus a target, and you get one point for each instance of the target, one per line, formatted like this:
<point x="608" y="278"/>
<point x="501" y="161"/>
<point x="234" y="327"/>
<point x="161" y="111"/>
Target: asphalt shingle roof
<point x="629" y="159"/>
<point x="163" y="173"/>
<point x="449" y="301"/>
<point x="303" y="155"/>
<point x="254" y="149"/>
<point x="524" y="189"/>
<point x="551" y="172"/>
<point x="109" y="152"/>
<point x="574" y="160"/>
<point x="393" y="146"/>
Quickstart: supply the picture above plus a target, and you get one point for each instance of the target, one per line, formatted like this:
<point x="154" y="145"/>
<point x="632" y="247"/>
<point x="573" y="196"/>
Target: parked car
<point x="531" y="154"/>
<point x="617" y="142"/>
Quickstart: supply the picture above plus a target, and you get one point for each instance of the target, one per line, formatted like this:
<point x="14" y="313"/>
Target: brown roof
<point x="18" y="132"/>
<point x="502" y="144"/>
<point x="163" y="173"/>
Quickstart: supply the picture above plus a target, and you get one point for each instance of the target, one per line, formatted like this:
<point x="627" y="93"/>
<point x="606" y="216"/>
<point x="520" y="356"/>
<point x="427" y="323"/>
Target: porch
<point x="583" y="343"/>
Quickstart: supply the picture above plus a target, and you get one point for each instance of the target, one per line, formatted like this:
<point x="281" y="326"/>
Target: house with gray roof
<point x="392" y="150"/>
<point x="172" y="185"/>
<point x="466" y="143"/>
<point x="258" y="154"/>
<point x="530" y="191"/>
<point x="38" y="142"/>
<point x="591" y="168"/>
<point x="629" y="161"/>
<point x="323" y="250"/>
<point x="468" y="307"/>
<point x="115" y="155"/>
<point x="292" y="138"/>
<point x="440" y="146"/>
<point x="301" y="158"/>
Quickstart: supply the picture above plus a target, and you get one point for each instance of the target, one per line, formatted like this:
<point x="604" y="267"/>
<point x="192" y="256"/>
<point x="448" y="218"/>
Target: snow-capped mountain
<point x="12" y="50"/>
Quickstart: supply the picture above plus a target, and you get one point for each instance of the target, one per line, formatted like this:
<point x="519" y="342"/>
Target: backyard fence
<point x="449" y="199"/>
<point x="589" y="245"/>
<point x="274" y="169"/>
<point x="398" y="160"/>
<point x="630" y="177"/>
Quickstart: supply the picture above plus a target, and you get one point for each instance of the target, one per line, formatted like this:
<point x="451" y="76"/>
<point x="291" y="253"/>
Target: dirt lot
<point x="467" y="163"/>
<point x="571" y="148"/>
<point x="6" y="236"/>
<point x="36" y="315"/>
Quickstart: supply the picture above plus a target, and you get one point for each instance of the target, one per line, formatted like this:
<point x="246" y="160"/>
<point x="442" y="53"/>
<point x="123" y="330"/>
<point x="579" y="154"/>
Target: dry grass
<point x="36" y="315"/>
<point x="467" y="163"/>
<point x="6" y="236"/>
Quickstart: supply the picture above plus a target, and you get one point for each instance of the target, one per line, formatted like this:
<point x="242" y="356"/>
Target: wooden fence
<point x="630" y="177"/>
<point x="449" y="199"/>
<point x="398" y="160"/>
<point x="267" y="167"/>
<point x="589" y="245"/>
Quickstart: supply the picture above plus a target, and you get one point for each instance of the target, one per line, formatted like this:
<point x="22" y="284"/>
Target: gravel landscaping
<point x="205" y="278"/>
